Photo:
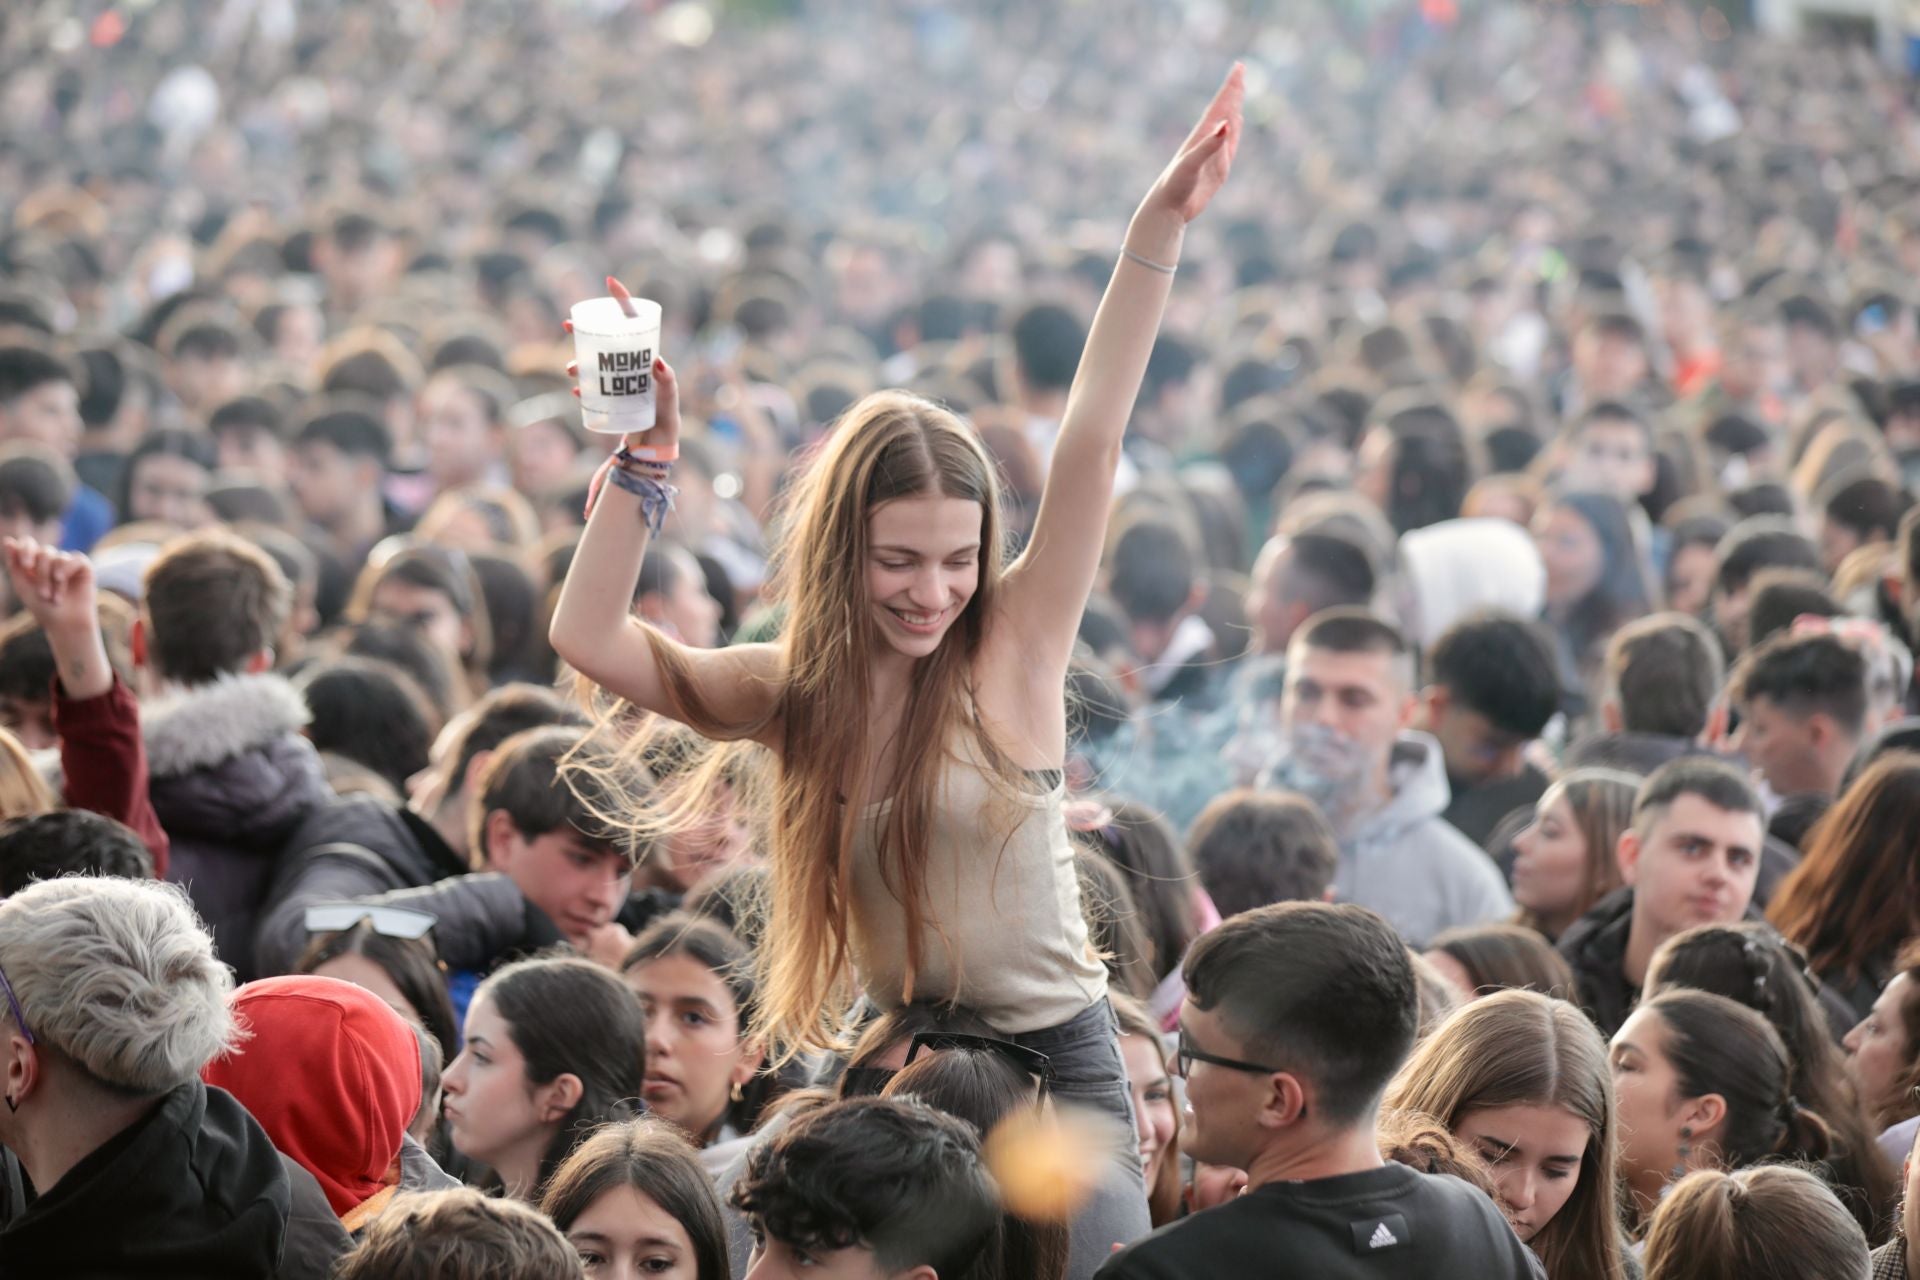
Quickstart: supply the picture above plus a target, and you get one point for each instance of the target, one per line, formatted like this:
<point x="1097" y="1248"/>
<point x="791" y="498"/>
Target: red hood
<point x="332" y="1074"/>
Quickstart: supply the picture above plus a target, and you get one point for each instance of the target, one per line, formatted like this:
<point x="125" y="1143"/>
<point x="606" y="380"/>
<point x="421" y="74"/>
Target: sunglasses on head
<point x="1031" y="1061"/>
<point x="388" y="922"/>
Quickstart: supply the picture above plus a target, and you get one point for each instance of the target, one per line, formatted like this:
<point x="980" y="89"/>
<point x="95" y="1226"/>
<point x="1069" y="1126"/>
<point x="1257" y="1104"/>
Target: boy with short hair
<point x="68" y="842"/>
<point x="363" y="846"/>
<point x="232" y="776"/>
<point x="1295" y="1019"/>
<point x="869" y="1189"/>
<point x="1613" y="452"/>
<point x="36" y="489"/>
<point x="40" y="402"/>
<point x="337" y="471"/>
<point x="1803" y="711"/>
<point x="1691" y="857"/>
<point x="554" y="868"/>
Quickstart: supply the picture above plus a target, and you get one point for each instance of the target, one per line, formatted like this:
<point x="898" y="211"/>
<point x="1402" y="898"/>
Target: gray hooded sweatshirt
<point x="1407" y="863"/>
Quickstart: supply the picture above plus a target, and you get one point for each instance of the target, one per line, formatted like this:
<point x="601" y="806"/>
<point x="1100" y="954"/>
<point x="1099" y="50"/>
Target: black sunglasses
<point x="864" y="1082"/>
<point x="1031" y="1061"/>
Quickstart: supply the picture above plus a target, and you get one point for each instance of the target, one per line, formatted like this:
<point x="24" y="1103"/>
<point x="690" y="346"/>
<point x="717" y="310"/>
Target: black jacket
<point x="482" y="920"/>
<point x="352" y="848"/>
<point x="1595" y="947"/>
<point x="195" y="1191"/>
<point x="231" y="779"/>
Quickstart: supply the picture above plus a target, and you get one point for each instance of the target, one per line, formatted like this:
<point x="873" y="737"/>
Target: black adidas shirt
<point x="1389" y="1221"/>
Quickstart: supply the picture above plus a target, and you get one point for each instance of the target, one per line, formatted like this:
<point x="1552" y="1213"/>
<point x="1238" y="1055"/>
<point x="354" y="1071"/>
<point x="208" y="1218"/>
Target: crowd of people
<point x="1360" y="718"/>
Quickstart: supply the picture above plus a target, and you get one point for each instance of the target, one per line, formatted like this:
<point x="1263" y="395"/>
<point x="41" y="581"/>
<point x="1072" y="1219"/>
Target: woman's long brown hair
<point x="890" y="445"/>
<point x="1602" y="804"/>
<point x="1520" y="1048"/>
<point x="1854" y="896"/>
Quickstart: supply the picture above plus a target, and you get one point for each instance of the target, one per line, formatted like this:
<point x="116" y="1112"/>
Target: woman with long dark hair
<point x="1751" y="964"/>
<point x="1599" y="578"/>
<point x="634" y="1201"/>
<point x="405" y="972"/>
<point x="1703" y="1083"/>
<point x="696" y="987"/>
<point x="554" y="1049"/>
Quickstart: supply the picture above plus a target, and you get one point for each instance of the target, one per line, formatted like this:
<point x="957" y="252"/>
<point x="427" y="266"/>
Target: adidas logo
<point x="1382" y="1238"/>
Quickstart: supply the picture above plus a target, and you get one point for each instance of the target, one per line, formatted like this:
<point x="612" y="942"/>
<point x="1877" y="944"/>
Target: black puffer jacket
<point x="348" y="849"/>
<point x="231" y="779"/>
<point x="1595" y="946"/>
<point x="195" y="1190"/>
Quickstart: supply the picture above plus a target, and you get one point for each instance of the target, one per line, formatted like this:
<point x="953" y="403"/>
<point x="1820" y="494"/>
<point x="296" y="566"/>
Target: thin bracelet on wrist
<point x="1148" y="263"/>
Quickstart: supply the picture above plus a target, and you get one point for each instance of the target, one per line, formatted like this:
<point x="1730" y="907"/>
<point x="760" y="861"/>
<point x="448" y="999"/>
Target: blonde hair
<point x="23" y="792"/>
<point x="1770" y="1223"/>
<point x="890" y="445"/>
<point x="1520" y="1048"/>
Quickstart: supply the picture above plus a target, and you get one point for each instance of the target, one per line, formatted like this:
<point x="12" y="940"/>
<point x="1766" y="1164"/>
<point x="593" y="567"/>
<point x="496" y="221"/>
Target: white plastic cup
<point x="615" y="352"/>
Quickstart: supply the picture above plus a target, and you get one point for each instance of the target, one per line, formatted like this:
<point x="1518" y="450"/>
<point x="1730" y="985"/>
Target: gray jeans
<point x="1088" y="1073"/>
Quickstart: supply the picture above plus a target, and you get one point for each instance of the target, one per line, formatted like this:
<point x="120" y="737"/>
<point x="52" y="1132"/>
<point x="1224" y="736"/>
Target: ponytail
<point x="1807" y="1137"/>
<point x="1774" y="1221"/>
<point x="1718" y="1046"/>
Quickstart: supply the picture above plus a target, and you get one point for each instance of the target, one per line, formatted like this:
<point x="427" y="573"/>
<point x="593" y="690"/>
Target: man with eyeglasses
<point x="1295" y="1018"/>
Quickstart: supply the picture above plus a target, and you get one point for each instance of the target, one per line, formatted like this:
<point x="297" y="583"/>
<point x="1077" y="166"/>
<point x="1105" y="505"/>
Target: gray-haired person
<point x="117" y="1160"/>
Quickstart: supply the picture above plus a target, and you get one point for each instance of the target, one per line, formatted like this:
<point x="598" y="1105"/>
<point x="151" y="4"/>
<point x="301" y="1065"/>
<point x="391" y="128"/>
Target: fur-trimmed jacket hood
<point x="231" y="780"/>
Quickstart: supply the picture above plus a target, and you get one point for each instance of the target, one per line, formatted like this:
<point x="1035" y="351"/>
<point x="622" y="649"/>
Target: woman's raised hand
<point x="661" y="441"/>
<point x="1200" y="169"/>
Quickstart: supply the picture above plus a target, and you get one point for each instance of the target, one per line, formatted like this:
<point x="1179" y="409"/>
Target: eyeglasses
<point x="13" y="1002"/>
<point x="1031" y="1061"/>
<point x="388" y="922"/>
<point x="1185" y="1055"/>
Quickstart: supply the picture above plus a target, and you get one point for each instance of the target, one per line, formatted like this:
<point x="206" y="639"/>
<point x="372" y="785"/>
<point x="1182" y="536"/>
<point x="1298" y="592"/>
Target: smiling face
<point x="923" y="566"/>
<point x="1152" y="1102"/>
<point x="1535" y="1156"/>
<point x="626" y="1235"/>
<point x="696" y="1052"/>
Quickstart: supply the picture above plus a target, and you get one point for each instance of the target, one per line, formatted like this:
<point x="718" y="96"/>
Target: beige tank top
<point x="1016" y="948"/>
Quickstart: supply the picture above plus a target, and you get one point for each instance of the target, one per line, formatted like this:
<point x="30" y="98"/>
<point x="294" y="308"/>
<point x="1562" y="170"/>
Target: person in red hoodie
<point x="332" y="1074"/>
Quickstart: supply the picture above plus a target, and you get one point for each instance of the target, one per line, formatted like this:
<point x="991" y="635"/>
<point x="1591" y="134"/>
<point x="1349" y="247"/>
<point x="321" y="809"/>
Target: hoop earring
<point x="1679" y="1169"/>
<point x="739" y="1094"/>
<point x="11" y="1104"/>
